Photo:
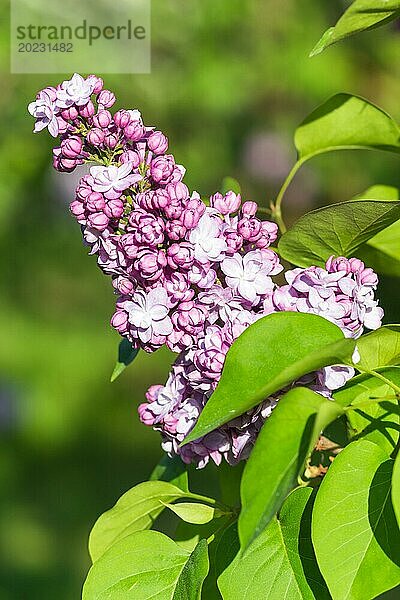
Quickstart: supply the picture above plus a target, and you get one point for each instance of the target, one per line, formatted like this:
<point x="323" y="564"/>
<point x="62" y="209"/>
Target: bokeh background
<point x="230" y="81"/>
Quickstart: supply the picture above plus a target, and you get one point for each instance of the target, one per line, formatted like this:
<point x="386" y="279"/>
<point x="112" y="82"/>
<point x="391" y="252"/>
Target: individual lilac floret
<point x="76" y="90"/>
<point x="112" y="181"/>
<point x="249" y="275"/>
<point x="45" y="112"/>
<point x="149" y="315"/>
<point x="207" y="239"/>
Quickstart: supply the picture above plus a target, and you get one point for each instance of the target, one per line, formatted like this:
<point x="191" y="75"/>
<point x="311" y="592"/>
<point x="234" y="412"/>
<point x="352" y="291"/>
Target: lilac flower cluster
<point x="189" y="274"/>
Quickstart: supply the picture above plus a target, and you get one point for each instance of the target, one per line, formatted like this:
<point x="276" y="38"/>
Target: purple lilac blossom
<point x="188" y="276"/>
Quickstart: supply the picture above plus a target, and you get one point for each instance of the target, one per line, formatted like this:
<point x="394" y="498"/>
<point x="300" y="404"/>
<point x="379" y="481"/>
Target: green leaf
<point x="286" y="439"/>
<point x="266" y="357"/>
<point x="354" y="529"/>
<point x="380" y="348"/>
<point x="172" y="470"/>
<point x="137" y="509"/>
<point x="346" y="122"/>
<point x="382" y="252"/>
<point x="126" y="354"/>
<point x="281" y="562"/>
<point x="194" y="512"/>
<point x="396" y="487"/>
<point x="360" y="16"/>
<point x="378" y="422"/>
<point x="147" y="564"/>
<point x="338" y="229"/>
<point x="379" y="192"/>
<point x="230" y="184"/>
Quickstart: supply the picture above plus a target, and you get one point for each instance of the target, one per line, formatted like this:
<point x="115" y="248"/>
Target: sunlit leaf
<point x="194" y="512"/>
<point x="377" y="421"/>
<point x="396" y="488"/>
<point x="230" y="184"/>
<point x="271" y="472"/>
<point x="346" y="122"/>
<point x="354" y="529"/>
<point x="360" y="16"/>
<point x="136" y="510"/>
<point x="267" y="356"/>
<point x="338" y="229"/>
<point x="380" y="348"/>
<point x="281" y="562"/>
<point x="148" y="564"/>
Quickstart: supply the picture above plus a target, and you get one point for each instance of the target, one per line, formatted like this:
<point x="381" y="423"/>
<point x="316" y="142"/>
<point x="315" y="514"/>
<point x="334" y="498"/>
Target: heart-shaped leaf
<point x="360" y="16"/>
<point x="147" y="564"/>
<point x="354" y="529"/>
<point x="339" y="229"/>
<point x="278" y="457"/>
<point x="281" y="562"/>
<point x="136" y="510"/>
<point x="269" y="355"/>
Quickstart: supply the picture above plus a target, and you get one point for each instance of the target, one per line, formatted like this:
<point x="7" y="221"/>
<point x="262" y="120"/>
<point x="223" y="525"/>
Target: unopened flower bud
<point x="105" y="99"/>
<point x="157" y="142"/>
<point x="249" y="208"/>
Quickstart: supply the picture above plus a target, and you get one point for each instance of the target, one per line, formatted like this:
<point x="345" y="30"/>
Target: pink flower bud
<point x="180" y="256"/>
<point x="130" y="156"/>
<point x="97" y="82"/>
<point x="157" y="142"/>
<point x="70" y="114"/>
<point x="95" y="202"/>
<point x="122" y="118"/>
<point x="78" y="210"/>
<point x="71" y="147"/>
<point x="119" y="321"/>
<point x="233" y="239"/>
<point x="230" y="203"/>
<point x="87" y="110"/>
<point x="175" y="230"/>
<point x="105" y="99"/>
<point x="95" y="137"/>
<point x="123" y="285"/>
<point x="114" y="209"/>
<point x="111" y="140"/>
<point x="134" y="131"/>
<point x="177" y="191"/>
<point x="102" y="119"/>
<point x="98" y="221"/>
<point x="249" y="208"/>
<point x="249" y="229"/>
<point x="50" y="91"/>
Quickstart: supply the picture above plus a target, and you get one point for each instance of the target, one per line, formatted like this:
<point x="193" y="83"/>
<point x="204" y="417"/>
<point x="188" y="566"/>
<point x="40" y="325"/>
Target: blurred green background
<point x="230" y="81"/>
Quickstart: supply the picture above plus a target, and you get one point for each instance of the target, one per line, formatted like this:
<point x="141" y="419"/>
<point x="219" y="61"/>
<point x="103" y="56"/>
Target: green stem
<point x="277" y="207"/>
